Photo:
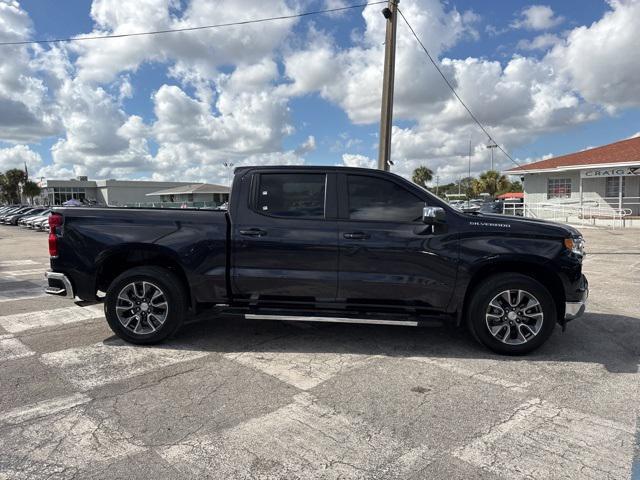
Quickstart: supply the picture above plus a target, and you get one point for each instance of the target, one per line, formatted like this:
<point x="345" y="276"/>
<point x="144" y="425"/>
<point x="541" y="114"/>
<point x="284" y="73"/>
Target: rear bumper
<point x="59" y="284"/>
<point x="575" y="309"/>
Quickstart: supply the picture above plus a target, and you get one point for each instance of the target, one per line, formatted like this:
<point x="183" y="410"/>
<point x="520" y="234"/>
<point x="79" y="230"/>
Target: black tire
<point x="174" y="294"/>
<point x="491" y="287"/>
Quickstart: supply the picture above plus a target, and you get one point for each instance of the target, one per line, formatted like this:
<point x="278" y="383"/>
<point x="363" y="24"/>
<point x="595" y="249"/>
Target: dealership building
<point x="123" y="192"/>
<point x="594" y="181"/>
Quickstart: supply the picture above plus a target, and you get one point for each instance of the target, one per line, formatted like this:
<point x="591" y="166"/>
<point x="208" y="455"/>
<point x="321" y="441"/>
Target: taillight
<point x="55" y="222"/>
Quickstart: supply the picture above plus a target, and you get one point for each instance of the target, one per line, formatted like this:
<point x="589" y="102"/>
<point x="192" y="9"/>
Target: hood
<point x="521" y="225"/>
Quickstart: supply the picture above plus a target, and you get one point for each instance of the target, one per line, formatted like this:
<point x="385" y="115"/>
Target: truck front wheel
<point x="511" y="314"/>
<point x="145" y="305"/>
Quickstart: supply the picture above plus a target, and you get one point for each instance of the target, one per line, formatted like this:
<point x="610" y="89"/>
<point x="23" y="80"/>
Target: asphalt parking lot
<point x="248" y="399"/>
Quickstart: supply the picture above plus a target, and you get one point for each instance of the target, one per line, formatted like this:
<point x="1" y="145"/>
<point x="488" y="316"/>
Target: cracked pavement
<point x="232" y="398"/>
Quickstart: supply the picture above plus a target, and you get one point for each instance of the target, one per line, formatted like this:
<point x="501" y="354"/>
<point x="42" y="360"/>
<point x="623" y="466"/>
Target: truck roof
<point x="324" y="168"/>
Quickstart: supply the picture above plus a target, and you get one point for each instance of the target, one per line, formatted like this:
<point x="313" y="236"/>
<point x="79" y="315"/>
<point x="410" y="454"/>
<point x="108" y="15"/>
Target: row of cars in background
<point x="35" y="218"/>
<point x="501" y="206"/>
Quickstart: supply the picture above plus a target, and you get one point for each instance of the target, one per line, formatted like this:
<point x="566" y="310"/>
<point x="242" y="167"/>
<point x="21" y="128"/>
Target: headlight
<point x="575" y="244"/>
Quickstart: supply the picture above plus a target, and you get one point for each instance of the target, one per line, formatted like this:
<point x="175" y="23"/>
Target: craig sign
<point x="610" y="172"/>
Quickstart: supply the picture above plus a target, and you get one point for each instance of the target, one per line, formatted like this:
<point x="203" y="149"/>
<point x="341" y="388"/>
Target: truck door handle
<point x="356" y="235"/>
<point x="253" y="232"/>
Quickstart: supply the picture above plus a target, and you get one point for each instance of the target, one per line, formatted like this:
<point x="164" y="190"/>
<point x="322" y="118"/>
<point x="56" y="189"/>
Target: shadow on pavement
<point x="610" y="340"/>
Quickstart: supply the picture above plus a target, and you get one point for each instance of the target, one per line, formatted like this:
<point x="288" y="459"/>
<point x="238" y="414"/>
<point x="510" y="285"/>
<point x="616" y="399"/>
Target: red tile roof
<point x="511" y="195"/>
<point x="624" y="151"/>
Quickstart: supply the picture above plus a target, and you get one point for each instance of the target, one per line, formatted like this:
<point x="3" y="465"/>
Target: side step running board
<point x="366" y="321"/>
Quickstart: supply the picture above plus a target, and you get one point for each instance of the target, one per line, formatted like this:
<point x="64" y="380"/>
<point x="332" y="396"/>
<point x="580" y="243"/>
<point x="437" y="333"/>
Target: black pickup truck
<point x="322" y="244"/>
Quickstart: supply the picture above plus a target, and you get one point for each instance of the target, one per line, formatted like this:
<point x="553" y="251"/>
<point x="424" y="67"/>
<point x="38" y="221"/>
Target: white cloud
<point x="26" y="111"/>
<point x="352" y="77"/>
<point x="540" y="42"/>
<point x="537" y="17"/>
<point x="19" y="155"/>
<point x="309" y="145"/>
<point x="357" y="160"/>
<point x="603" y="60"/>
<point x="228" y="92"/>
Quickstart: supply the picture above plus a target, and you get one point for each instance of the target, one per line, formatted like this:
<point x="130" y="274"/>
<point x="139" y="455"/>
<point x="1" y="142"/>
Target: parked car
<point x="42" y="225"/>
<point x="26" y="217"/>
<point x="322" y="243"/>
<point x="496" y="207"/>
<point x="15" y="218"/>
<point x="11" y="211"/>
<point x="32" y="221"/>
<point x="8" y="218"/>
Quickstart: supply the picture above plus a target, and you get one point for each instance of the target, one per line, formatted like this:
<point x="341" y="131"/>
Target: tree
<point x="3" y="181"/>
<point x="515" y="187"/>
<point x="492" y="181"/>
<point x="422" y="175"/>
<point x="31" y="189"/>
<point x="11" y="183"/>
<point x="467" y="186"/>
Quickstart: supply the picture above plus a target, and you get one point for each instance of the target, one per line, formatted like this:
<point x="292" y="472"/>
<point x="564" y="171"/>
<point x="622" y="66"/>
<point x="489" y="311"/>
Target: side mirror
<point x="433" y="215"/>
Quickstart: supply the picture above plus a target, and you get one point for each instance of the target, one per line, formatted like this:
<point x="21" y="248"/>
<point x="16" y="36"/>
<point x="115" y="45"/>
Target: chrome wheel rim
<point x="514" y="317"/>
<point x="141" y="307"/>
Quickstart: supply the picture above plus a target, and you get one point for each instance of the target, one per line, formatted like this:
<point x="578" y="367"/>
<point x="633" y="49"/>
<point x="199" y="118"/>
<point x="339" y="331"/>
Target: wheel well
<point x="120" y="262"/>
<point x="545" y="276"/>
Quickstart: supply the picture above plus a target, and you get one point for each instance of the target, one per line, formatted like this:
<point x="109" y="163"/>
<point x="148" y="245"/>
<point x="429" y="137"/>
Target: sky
<point x="544" y="78"/>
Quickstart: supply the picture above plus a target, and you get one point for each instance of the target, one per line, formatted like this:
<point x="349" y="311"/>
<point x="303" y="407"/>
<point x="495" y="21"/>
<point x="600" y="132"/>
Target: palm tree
<point x="422" y="175"/>
<point x="31" y="189"/>
<point x="492" y="181"/>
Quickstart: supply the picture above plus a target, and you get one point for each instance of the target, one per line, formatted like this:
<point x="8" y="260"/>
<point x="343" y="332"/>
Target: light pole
<point x="492" y="145"/>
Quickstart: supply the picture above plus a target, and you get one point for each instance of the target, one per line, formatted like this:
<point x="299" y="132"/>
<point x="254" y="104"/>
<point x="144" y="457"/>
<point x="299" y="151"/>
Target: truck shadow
<point x="612" y="341"/>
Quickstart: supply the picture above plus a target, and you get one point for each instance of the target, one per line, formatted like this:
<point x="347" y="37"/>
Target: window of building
<point x="376" y="199"/>
<point x="299" y="195"/>
<point x="559" y="188"/>
<point x="612" y="187"/>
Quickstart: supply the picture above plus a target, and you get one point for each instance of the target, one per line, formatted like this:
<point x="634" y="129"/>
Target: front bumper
<point x="573" y="310"/>
<point x="59" y="284"/>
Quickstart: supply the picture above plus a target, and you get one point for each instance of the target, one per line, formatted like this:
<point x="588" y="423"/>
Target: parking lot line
<point x="21" y="322"/>
<point x="303" y="439"/>
<point x="20" y="273"/>
<point x="11" y="348"/>
<point x="540" y="440"/>
<point x="42" y="409"/>
<point x="102" y="363"/>
<point x="16" y="263"/>
<point x="22" y="294"/>
<point x="59" y="437"/>
<point x="460" y="369"/>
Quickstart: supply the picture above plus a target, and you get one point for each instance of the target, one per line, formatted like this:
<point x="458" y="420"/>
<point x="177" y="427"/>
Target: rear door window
<point x="291" y="195"/>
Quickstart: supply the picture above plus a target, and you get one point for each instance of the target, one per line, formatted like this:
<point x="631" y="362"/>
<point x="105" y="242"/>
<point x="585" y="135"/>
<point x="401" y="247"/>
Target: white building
<point x="102" y="192"/>
<point x="207" y="194"/>
<point x="594" y="181"/>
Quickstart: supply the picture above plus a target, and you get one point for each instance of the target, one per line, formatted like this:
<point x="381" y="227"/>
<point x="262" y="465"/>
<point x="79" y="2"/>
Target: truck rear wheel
<point x="511" y="314"/>
<point x="145" y="305"/>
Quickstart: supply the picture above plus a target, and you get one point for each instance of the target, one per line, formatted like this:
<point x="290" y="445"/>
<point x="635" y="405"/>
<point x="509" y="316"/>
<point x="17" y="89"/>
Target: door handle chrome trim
<point x="356" y="236"/>
<point x="253" y="232"/>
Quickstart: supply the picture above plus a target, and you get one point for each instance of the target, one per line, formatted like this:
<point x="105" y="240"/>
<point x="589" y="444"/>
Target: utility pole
<point x="386" y="113"/>
<point x="437" y="181"/>
<point x="469" y="177"/>
<point x="492" y="146"/>
<point x="229" y="167"/>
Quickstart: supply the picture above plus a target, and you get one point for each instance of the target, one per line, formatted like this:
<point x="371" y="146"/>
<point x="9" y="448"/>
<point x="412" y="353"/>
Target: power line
<point x="446" y="80"/>
<point x="191" y="29"/>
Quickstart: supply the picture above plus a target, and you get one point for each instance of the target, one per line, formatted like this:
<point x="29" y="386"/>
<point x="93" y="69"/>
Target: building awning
<point x="619" y="154"/>
<point x="191" y="189"/>
<point x="506" y="196"/>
